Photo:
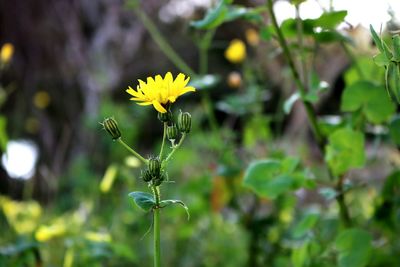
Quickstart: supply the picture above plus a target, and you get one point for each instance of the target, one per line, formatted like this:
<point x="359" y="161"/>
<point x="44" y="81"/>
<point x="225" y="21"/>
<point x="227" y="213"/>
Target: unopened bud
<point x="146" y="175"/>
<point x="184" y="122"/>
<point x="172" y="132"/>
<point x="111" y="126"/>
<point x="165" y="117"/>
<point x="154" y="166"/>
<point x="158" y="180"/>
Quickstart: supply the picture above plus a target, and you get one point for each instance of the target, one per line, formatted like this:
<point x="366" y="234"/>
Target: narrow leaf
<point x="167" y="202"/>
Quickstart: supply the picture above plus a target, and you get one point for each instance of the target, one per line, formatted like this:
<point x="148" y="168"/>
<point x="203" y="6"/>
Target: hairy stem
<point x="163" y="141"/>
<point x="156" y="219"/>
<point x="175" y="148"/>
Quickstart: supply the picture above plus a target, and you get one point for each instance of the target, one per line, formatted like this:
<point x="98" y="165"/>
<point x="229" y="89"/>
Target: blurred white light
<point x="20" y="159"/>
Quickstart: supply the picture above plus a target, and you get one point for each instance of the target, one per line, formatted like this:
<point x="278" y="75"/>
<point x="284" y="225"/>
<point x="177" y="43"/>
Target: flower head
<point x="6" y="53"/>
<point x="236" y="51"/>
<point x="160" y="92"/>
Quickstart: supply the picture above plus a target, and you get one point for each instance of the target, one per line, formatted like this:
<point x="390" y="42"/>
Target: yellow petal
<point x="144" y="103"/>
<point x="168" y="78"/>
<point x="186" y="89"/>
<point x="159" y="107"/>
<point x="172" y="99"/>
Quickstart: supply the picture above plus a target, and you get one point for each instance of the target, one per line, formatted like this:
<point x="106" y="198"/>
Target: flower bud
<point x="172" y="132"/>
<point x="158" y="180"/>
<point x="184" y="122"/>
<point x="111" y="126"/>
<point x="154" y="166"/>
<point x="165" y="117"/>
<point x="146" y="175"/>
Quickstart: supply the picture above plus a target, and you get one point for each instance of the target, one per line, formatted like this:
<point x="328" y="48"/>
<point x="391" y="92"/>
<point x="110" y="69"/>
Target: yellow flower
<point x="252" y="37"/>
<point x="7" y="50"/>
<point x="236" y="51"/>
<point x="160" y="92"/>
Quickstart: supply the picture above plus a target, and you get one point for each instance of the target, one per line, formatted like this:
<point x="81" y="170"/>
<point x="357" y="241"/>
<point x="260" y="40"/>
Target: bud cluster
<point x="183" y="124"/>
<point x="153" y="173"/>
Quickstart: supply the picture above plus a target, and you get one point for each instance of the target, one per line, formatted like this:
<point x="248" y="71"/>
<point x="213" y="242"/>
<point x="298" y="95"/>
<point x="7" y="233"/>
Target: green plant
<point x="161" y="93"/>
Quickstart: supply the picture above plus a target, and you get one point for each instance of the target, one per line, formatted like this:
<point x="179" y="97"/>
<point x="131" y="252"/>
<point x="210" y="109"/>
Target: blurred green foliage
<point x="251" y="201"/>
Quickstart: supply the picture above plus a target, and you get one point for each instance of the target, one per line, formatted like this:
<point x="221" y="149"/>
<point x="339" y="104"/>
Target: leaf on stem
<point x="143" y="200"/>
<point x="167" y="202"/>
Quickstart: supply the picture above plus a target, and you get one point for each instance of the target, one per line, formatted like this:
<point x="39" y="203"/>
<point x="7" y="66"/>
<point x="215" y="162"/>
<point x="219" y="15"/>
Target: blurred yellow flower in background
<point x="48" y="232"/>
<point x="234" y="79"/>
<point x="236" y="51"/>
<point x="252" y="37"/>
<point x="160" y="92"/>
<point x="41" y="99"/>
<point x="23" y="216"/>
<point x="6" y="53"/>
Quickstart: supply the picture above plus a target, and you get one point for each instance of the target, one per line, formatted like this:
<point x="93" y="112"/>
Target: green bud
<point x="165" y="117"/>
<point x="111" y="126"/>
<point x="154" y="166"/>
<point x="184" y="122"/>
<point x="146" y="175"/>
<point x="158" y="181"/>
<point x="172" y="132"/>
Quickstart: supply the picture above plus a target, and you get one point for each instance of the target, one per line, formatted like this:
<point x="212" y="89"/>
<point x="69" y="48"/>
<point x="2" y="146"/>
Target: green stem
<point x="145" y="161"/>
<point x="344" y="213"/>
<point x="163" y="141"/>
<point x="303" y="64"/>
<point x="206" y="101"/>
<point x="204" y="46"/>
<point x="175" y="148"/>
<point x="156" y="218"/>
<point x="302" y="90"/>
<point x="162" y="43"/>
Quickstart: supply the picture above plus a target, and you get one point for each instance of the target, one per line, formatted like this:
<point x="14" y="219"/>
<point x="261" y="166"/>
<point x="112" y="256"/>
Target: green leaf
<point x="213" y="18"/>
<point x="381" y="60"/>
<point x="267" y="32"/>
<point x="345" y="150"/>
<point x="330" y="20"/>
<point x="300" y="255"/>
<point x="394" y="130"/>
<point x="223" y="12"/>
<point x="377" y="39"/>
<point x="287" y="106"/>
<point x="305" y="225"/>
<point x="263" y="177"/>
<point x="167" y="202"/>
<point x="329" y="37"/>
<point x="371" y="98"/>
<point x="271" y="178"/>
<point x="205" y="82"/>
<point x="289" y="27"/>
<point x="354" y="246"/>
<point x="143" y="200"/>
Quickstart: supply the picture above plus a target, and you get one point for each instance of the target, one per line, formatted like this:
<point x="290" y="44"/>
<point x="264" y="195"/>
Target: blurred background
<point x="64" y="183"/>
